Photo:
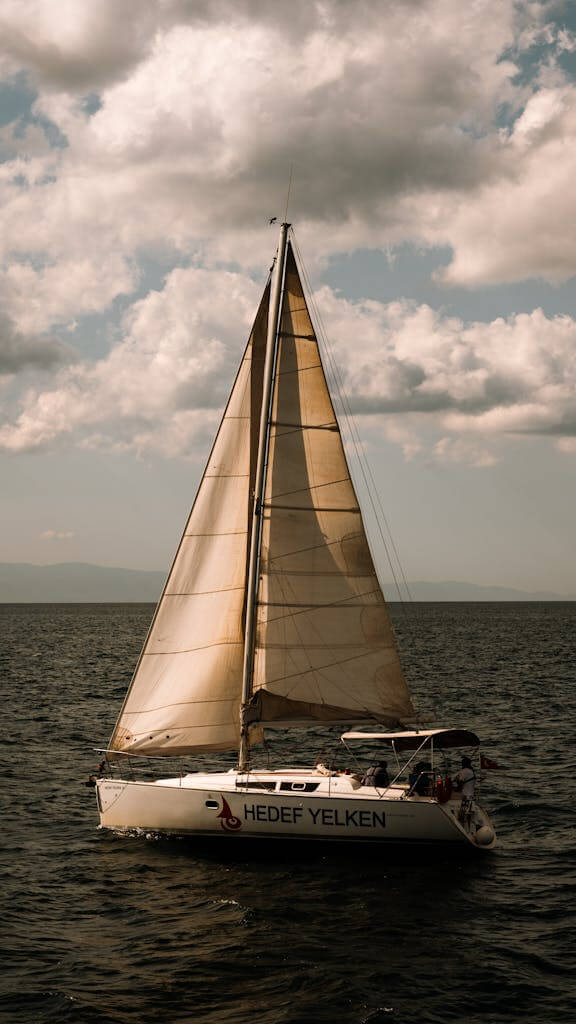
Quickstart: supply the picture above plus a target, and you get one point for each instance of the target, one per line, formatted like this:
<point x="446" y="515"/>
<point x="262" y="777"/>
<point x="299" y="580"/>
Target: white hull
<point x="290" y="804"/>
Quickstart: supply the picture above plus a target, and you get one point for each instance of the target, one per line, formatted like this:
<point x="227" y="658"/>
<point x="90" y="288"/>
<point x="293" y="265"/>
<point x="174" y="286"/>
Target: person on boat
<point x="419" y="779"/>
<point x="377" y="775"/>
<point x="465" y="779"/>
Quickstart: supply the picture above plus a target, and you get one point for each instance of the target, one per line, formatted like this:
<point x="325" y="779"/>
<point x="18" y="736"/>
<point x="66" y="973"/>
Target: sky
<point x="431" y="150"/>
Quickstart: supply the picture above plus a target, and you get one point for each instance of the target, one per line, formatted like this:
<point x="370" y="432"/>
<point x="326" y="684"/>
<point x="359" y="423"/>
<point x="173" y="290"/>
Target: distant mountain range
<point x="69" y="582"/>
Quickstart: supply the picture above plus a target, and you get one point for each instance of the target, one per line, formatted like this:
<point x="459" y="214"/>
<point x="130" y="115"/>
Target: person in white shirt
<point x="466" y="779"/>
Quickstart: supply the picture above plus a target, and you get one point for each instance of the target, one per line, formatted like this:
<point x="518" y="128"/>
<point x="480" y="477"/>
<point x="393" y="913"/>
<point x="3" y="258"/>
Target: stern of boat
<point x="472" y="821"/>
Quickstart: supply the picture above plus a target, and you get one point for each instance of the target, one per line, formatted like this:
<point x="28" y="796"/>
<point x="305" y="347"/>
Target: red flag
<point x="487" y="764"/>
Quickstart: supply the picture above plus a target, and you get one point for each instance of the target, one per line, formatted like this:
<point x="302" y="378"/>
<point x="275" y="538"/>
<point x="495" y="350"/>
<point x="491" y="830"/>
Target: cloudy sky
<point x="144" y="148"/>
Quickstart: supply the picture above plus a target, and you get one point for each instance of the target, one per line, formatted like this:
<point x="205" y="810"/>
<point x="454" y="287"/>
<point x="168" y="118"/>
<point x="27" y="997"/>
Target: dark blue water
<point x="104" y="929"/>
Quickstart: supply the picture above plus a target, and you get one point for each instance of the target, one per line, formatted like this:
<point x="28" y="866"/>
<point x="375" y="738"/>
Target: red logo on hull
<point x="229" y="821"/>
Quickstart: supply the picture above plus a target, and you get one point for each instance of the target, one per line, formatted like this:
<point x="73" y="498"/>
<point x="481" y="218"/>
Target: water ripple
<point x="120" y="931"/>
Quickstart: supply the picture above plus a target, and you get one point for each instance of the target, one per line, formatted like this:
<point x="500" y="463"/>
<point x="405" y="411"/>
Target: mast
<point x="255" y="537"/>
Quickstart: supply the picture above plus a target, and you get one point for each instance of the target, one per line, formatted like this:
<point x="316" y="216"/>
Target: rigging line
<point x="348" y="415"/>
<point x="356" y="441"/>
<point x="221" y="533"/>
<point x="332" y="664"/>
<point x="311" y="508"/>
<point x="288" y="194"/>
<point x="287" y="588"/>
<point x="301" y="369"/>
<point x="340" y="603"/>
<point x="303" y="426"/>
<point x="190" y="650"/>
<point x="310" y="487"/>
<point x="323" y="573"/>
<point x="315" y="674"/>
<point x="178" y="704"/>
<point x="288" y="658"/>
<point x="313" y="547"/>
<point x="374" y="493"/>
<point x="203" y="593"/>
<point x="344" y="403"/>
<point x="361" y="458"/>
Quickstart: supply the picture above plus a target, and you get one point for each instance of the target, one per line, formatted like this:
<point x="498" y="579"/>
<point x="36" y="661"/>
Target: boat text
<point x="326" y="817"/>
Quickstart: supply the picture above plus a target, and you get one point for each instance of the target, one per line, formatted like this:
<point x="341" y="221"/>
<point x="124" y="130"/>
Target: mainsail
<point x="325" y="650"/>
<point x="323" y="645"/>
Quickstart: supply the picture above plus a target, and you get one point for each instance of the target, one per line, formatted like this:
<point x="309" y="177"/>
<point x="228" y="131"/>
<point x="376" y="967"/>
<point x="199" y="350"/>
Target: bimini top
<point x="412" y="740"/>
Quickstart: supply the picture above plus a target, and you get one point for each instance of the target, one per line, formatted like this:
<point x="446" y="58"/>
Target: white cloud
<point x="37" y="298"/>
<point x="451" y="449"/>
<point x="408" y="358"/>
<point x="393" y="122"/>
<point x="161" y="386"/>
<point x="403" y="366"/>
<point x="75" y="45"/>
<point x="205" y="107"/>
<point x="390" y="118"/>
<point x="512" y="376"/>
<point x="57" y="535"/>
<point x="520" y="226"/>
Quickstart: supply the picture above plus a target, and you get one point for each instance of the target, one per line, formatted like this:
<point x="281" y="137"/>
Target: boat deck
<point x="295" y="781"/>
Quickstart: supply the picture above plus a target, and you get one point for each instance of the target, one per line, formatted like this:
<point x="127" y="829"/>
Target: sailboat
<point x="272" y="617"/>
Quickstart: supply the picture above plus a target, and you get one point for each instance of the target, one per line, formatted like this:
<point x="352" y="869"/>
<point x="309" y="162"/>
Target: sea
<point x="99" y="928"/>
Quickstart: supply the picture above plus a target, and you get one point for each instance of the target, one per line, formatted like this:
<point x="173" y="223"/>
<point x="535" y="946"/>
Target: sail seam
<point x="311" y="487"/>
<point x="321" y="575"/>
<point x="179" y="704"/>
<point x="200" y="593"/>
<point x="334" y="604"/>
<point x="313" y="604"/>
<point x="309" y="508"/>
<point x="190" y="650"/>
<point x="312" y="547"/>
<point x="319" y="669"/>
<point x="300" y="369"/>
<point x="316" y="673"/>
<point x="304" y="337"/>
<point x="225" y="533"/>
<point x="306" y="426"/>
<point x="365" y="647"/>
